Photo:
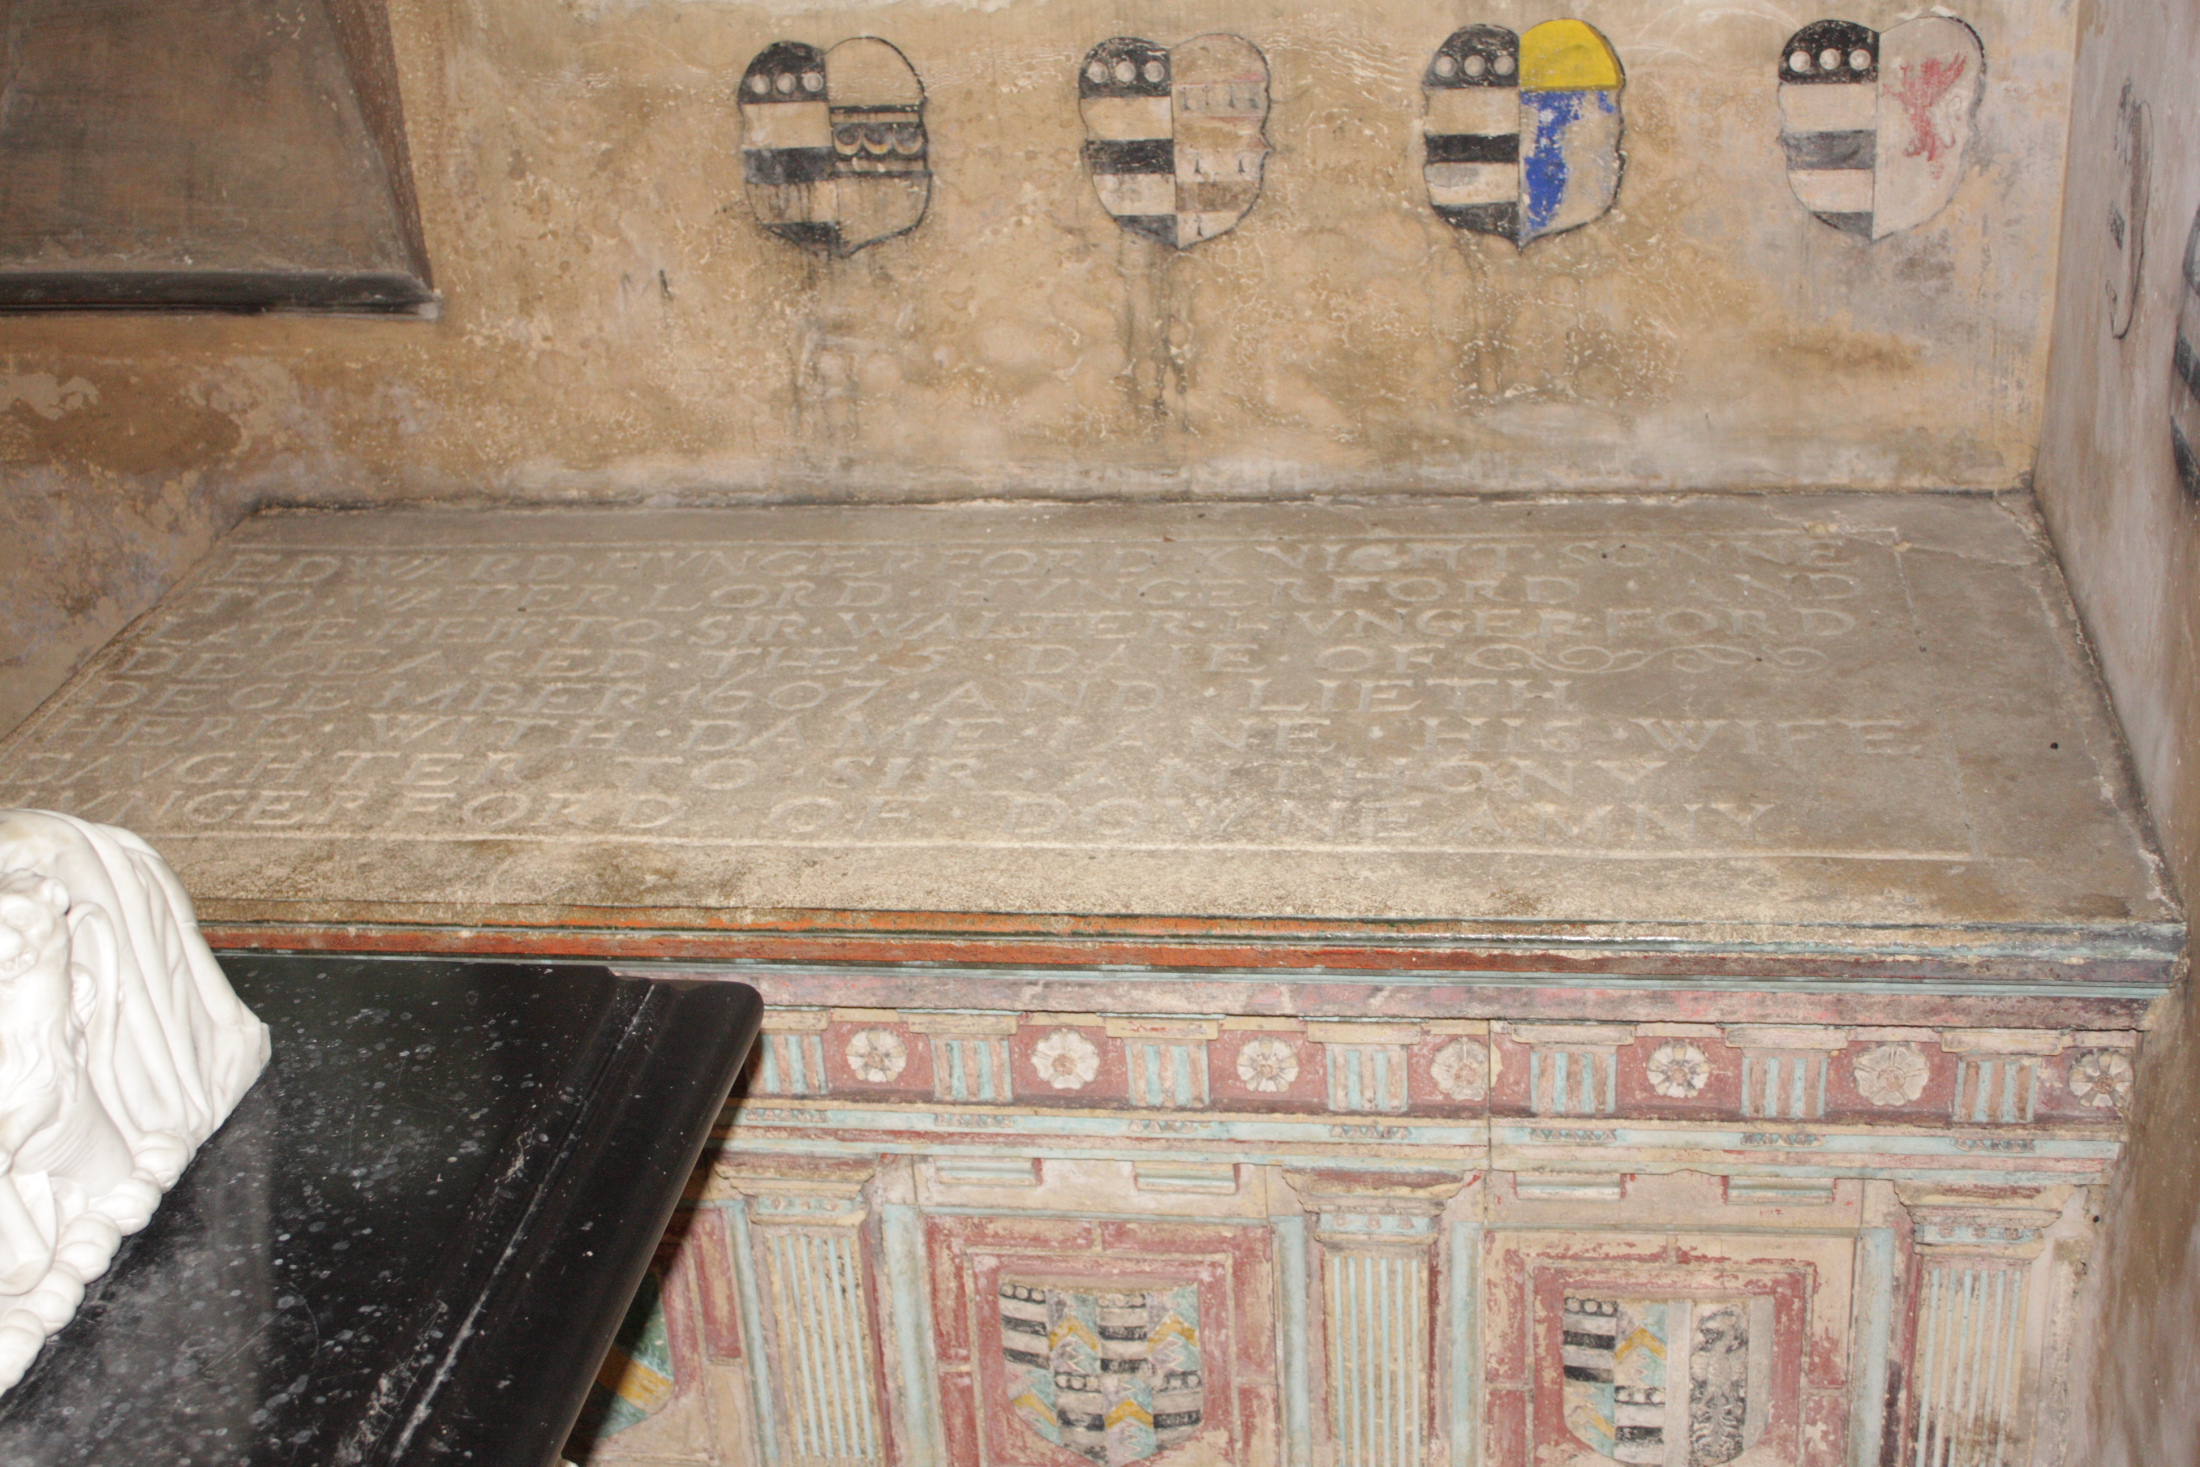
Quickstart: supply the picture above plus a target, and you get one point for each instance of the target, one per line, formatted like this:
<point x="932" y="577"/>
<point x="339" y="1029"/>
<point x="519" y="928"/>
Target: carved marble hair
<point x="122" y="1048"/>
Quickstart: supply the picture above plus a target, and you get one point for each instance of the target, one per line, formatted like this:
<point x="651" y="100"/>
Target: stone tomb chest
<point x="1487" y="982"/>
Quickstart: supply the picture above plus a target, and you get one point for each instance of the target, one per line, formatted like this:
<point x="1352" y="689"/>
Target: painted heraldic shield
<point x="1667" y="1382"/>
<point x="2127" y="215"/>
<point x="2184" y="377"/>
<point x="1174" y="137"/>
<point x="1875" y="126"/>
<point x="1472" y="135"/>
<point x="1522" y="134"/>
<point x="833" y="148"/>
<point x="1112" y="1375"/>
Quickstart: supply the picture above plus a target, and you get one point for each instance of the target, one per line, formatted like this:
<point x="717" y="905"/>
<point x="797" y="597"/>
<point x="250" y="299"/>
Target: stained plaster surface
<point x="2130" y="537"/>
<point x="1817" y="717"/>
<point x="616" y="324"/>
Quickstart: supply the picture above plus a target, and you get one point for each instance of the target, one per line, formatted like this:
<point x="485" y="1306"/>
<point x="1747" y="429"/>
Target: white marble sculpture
<point x="122" y="1048"/>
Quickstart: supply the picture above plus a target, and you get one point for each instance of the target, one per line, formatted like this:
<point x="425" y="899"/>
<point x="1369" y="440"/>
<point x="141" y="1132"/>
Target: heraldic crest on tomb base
<point x="1667" y="1382"/>
<point x="1112" y="1374"/>
<point x="833" y="146"/>
<point x="1175" y="137"/>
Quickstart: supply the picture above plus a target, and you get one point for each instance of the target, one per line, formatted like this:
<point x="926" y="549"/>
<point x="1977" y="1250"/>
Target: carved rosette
<point x="1267" y="1065"/>
<point x="1892" y="1074"/>
<point x="2101" y="1078"/>
<point x="1678" y="1070"/>
<point x="877" y="1055"/>
<point x="1066" y="1059"/>
<point x="1461" y="1070"/>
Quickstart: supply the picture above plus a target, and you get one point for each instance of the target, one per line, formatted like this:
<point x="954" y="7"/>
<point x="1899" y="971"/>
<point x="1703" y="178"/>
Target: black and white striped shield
<point x="1876" y="126"/>
<point x="833" y="146"/>
<point x="1175" y="137"/>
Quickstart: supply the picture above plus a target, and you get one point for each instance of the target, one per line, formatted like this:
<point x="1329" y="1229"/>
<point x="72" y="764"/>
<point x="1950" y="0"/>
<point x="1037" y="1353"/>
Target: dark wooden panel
<point x="226" y="154"/>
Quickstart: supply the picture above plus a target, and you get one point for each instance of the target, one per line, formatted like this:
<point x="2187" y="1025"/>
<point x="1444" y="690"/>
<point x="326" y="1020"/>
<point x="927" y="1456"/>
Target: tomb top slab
<point x="1841" y="723"/>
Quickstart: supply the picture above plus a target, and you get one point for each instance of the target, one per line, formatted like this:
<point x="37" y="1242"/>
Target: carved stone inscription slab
<point x="1784" y="711"/>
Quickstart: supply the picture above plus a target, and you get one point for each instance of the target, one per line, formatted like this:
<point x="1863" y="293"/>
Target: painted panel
<point x="1174" y="1321"/>
<point x="1702" y="1345"/>
<point x="1376" y="1317"/>
<point x="1970" y="1341"/>
<point x="825" y="1366"/>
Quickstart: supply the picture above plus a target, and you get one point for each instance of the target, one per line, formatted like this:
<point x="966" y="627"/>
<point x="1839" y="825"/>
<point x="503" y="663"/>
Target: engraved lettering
<point x="1398" y="693"/>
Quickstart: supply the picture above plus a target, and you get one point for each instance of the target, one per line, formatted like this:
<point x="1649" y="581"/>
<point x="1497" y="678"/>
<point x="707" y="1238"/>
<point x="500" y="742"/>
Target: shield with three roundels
<point x="1112" y="1374"/>
<point x="1523" y="131"/>
<point x="833" y="148"/>
<point x="1676" y="1382"/>
<point x="1175" y="137"/>
<point x="1876" y="126"/>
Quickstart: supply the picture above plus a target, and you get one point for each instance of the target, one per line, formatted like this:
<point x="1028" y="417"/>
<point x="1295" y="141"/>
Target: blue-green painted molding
<point x="1463" y="1292"/>
<point x="752" y="1331"/>
<point x="1381" y="1163"/>
<point x="962" y="1118"/>
<point x="1294" y="1340"/>
<point x="1872" y="1335"/>
<point x="901" y="1240"/>
<point x="1577" y="1132"/>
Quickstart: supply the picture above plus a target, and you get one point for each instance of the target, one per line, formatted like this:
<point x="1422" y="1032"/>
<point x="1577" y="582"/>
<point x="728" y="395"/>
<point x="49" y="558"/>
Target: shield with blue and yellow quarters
<point x="1522" y="137"/>
<point x="1113" y="1375"/>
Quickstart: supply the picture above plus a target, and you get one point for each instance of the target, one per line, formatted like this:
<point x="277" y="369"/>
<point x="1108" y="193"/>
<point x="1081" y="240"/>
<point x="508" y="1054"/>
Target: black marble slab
<point x="413" y="1239"/>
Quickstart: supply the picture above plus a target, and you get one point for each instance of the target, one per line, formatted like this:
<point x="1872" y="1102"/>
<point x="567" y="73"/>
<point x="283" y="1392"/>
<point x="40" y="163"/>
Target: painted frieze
<point x="1461" y="1070"/>
<point x="1179" y="1239"/>
<point x="2184" y="389"/>
<point x="1876" y="125"/>
<point x="833" y="147"/>
<point x="1176" y="136"/>
<point x="1522" y="132"/>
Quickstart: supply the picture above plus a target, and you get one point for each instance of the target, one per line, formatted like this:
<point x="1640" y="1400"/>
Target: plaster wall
<point x="2129" y="535"/>
<point x="616" y="325"/>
